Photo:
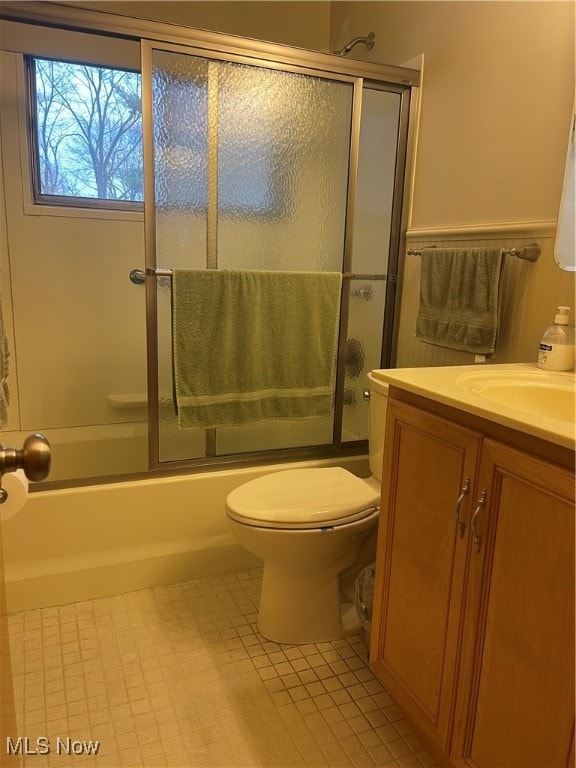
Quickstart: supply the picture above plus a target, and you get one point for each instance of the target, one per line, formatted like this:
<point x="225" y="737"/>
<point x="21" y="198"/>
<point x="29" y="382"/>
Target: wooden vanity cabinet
<point x="517" y="682"/>
<point x="473" y="625"/>
<point x="421" y="564"/>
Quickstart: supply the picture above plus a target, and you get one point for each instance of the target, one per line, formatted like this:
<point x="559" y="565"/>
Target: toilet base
<point x="307" y="576"/>
<point x="295" y="611"/>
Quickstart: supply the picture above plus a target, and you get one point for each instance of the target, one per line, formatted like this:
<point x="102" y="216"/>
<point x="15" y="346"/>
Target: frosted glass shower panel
<point x="181" y="159"/>
<point x="375" y="184"/>
<point x="363" y="353"/>
<point x="283" y="155"/>
<point x="181" y="193"/>
<point x="251" y="172"/>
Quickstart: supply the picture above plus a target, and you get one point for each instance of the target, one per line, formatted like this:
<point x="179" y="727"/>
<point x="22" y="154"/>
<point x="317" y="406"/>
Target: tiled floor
<point x="180" y="676"/>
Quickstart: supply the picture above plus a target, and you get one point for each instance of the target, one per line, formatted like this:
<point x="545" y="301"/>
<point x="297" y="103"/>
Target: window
<point x="87" y="134"/>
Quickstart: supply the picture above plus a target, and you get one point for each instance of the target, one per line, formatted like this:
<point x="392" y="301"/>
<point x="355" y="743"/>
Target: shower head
<point x="368" y="41"/>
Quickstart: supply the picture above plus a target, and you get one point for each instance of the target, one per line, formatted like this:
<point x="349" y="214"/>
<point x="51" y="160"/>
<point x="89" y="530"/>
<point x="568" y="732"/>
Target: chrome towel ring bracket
<point x="137" y="276"/>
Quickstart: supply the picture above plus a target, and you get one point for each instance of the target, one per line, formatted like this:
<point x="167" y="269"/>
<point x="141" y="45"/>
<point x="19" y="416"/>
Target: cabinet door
<point x="522" y="681"/>
<point x="421" y="565"/>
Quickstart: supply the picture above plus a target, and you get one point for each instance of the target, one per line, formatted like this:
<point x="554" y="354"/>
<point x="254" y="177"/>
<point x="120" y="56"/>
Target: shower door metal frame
<point x="336" y="447"/>
<point x="153" y="34"/>
<point x="147" y="49"/>
<point x="133" y="28"/>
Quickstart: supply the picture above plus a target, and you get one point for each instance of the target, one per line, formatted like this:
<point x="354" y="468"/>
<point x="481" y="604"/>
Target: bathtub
<point x="98" y="450"/>
<point x="77" y="544"/>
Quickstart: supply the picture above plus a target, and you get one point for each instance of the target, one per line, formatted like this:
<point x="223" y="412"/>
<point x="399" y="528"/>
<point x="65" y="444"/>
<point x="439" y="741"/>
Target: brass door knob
<point x="34" y="458"/>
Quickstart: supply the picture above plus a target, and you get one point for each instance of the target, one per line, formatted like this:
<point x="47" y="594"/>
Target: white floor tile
<point x="179" y="677"/>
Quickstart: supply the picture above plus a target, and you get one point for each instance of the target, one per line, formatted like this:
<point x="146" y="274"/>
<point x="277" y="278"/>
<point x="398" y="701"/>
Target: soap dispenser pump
<point x="556" y="351"/>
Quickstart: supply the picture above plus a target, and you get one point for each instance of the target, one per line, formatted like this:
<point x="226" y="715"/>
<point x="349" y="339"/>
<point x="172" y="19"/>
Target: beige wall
<point x="496" y="101"/>
<point x="493" y="132"/>
<point x="302" y="24"/>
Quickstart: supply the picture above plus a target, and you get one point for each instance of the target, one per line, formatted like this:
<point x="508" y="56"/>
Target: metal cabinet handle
<point x="34" y="458"/>
<point x="481" y="504"/>
<point x="460" y="524"/>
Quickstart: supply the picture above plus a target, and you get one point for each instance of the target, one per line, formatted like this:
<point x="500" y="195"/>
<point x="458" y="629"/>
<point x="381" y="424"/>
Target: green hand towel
<point x="459" y="298"/>
<point x="253" y="345"/>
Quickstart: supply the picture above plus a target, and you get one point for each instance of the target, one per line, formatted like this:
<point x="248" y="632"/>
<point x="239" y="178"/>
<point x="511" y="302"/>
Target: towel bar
<point x="138" y="276"/>
<point x="529" y="252"/>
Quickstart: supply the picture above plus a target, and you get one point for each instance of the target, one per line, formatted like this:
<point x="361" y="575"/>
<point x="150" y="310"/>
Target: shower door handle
<point x="34" y="458"/>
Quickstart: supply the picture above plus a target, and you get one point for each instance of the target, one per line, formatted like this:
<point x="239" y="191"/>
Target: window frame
<point x="66" y="202"/>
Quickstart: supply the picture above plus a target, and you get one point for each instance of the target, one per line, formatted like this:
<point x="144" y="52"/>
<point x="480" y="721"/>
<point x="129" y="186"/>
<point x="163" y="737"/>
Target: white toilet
<point x="314" y="529"/>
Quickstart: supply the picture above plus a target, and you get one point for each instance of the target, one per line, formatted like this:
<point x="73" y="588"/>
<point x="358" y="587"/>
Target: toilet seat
<point x="303" y="498"/>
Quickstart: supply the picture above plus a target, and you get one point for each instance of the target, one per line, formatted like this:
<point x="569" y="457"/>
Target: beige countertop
<point x="540" y="403"/>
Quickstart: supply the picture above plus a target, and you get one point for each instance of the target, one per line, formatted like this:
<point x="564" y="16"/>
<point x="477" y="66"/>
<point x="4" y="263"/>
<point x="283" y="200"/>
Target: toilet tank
<point x="378" y="402"/>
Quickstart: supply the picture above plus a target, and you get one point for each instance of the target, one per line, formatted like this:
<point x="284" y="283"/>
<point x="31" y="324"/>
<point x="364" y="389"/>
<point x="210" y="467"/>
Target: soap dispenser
<point x="556" y="352"/>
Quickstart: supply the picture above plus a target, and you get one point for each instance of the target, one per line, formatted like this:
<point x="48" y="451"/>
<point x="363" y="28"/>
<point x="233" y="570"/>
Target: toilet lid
<point x="303" y="498"/>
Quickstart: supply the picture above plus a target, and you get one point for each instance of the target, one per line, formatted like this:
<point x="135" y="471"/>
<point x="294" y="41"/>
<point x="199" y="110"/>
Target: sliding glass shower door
<point x="253" y="166"/>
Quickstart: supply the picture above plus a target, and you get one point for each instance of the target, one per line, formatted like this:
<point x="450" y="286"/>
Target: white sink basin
<point x="540" y="393"/>
<point x="520" y="396"/>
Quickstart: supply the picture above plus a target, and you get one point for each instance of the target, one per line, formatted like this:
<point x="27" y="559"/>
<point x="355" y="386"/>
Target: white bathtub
<point x="81" y="543"/>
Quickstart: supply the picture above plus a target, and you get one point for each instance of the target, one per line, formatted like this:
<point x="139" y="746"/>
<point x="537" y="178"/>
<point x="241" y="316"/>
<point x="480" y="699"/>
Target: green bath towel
<point x="253" y="345"/>
<point x="459" y="298"/>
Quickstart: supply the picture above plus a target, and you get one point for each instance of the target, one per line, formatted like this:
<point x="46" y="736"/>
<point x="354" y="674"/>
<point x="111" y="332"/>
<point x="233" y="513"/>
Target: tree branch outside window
<point x="88" y="132"/>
